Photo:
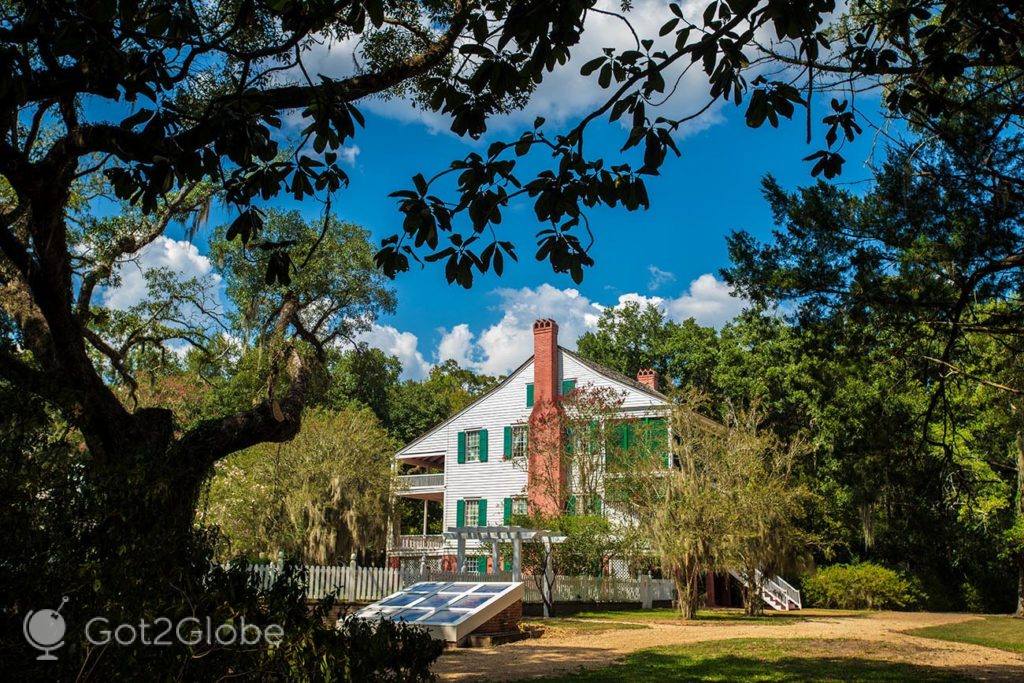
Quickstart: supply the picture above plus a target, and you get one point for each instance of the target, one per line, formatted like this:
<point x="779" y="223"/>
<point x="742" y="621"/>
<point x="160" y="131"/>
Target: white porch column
<point x="460" y="553"/>
<point x="517" y="558"/>
<point x="424" y="519"/>
<point x="494" y="557"/>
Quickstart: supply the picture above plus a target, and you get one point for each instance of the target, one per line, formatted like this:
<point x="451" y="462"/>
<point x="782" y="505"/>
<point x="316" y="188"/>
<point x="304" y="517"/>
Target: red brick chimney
<point x="545" y="361"/>
<point x="649" y="377"/>
<point x="545" y="472"/>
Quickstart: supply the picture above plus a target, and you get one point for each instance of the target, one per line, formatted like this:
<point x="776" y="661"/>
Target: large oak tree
<point x="164" y="97"/>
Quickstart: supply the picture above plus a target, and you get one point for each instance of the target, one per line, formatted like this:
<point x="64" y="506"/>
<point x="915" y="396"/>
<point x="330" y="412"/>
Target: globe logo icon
<point x="44" y="630"/>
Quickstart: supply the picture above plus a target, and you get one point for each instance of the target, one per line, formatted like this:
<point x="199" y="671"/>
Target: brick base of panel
<point x="505" y="621"/>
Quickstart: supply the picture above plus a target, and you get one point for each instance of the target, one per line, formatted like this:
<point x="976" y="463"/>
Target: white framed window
<point x="473" y="446"/>
<point x="520" y="441"/>
<point x="472" y="508"/>
<point x="519" y="505"/>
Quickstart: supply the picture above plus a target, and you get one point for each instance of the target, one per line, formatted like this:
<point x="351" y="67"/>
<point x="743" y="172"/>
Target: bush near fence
<point x="862" y="585"/>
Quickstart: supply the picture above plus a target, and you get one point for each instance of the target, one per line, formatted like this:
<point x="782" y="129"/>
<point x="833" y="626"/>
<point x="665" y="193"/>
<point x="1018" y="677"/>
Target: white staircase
<point x="775" y="591"/>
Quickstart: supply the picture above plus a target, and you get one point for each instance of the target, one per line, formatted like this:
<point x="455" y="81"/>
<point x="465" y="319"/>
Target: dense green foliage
<point x="879" y="491"/>
<point x="589" y="542"/>
<point x="862" y="585"/>
<point x="322" y="497"/>
<point x="52" y="550"/>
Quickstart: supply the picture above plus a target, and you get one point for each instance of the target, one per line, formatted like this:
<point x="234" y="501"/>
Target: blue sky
<point x="669" y="254"/>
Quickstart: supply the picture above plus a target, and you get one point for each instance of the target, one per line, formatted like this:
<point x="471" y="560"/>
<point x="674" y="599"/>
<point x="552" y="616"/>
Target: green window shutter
<point x="481" y="564"/>
<point x="529" y="394"/>
<point x="507" y="564"/>
<point x="462" y="447"/>
<point x="656" y="437"/>
<point x="507" y="453"/>
<point x="482" y="516"/>
<point x="570" y="505"/>
<point x="628" y="435"/>
<point x="508" y="510"/>
<point x="460" y="513"/>
<point x="568" y="441"/>
<point x="613" y="455"/>
<point x="597" y="506"/>
<point x="567" y="386"/>
<point x="483" y="445"/>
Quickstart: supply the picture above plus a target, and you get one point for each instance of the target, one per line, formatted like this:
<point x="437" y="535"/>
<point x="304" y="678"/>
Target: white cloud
<point x="709" y="301"/>
<point x="402" y="345"/>
<point x="348" y="154"/>
<point x="456" y="344"/>
<point x="179" y="256"/>
<point x="563" y="94"/>
<point x="659" y="278"/>
<point x="505" y="344"/>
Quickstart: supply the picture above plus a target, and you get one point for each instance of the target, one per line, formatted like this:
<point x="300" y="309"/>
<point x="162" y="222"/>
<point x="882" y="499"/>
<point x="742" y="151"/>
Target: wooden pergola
<point x="503" y="534"/>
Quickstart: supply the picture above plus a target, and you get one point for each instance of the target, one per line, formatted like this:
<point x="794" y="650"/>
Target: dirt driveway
<point x="875" y="636"/>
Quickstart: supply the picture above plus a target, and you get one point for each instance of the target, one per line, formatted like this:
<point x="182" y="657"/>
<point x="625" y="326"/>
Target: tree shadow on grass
<point x="785" y="660"/>
<point x="664" y="666"/>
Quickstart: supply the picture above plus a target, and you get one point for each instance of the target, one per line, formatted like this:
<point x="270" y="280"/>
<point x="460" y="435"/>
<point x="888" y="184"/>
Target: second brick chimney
<point x="648" y="377"/>
<point x="545" y="472"/>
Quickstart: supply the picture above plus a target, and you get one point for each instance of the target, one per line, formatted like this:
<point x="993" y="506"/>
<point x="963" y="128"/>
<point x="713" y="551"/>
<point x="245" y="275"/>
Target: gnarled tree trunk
<point x="687" y="580"/>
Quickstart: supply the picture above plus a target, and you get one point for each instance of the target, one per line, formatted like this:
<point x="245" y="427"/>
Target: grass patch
<point x="570" y="625"/>
<point x="670" y="614"/>
<point x="762" y="660"/>
<point x="1003" y="633"/>
<point x="717" y="615"/>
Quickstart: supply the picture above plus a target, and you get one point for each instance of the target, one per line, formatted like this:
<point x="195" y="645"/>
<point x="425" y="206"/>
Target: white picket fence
<point x="350" y="583"/>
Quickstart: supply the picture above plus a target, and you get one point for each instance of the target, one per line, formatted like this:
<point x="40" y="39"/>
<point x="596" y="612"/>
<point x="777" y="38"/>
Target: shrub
<point x="863" y="585"/>
<point x="311" y="649"/>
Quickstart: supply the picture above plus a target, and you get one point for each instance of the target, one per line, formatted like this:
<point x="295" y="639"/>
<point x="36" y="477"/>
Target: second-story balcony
<point x="427" y="486"/>
<point x="416" y="543"/>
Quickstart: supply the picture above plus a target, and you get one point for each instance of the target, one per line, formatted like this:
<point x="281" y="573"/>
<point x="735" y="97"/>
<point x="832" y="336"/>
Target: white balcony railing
<point x="415" y="542"/>
<point x="421" y="481"/>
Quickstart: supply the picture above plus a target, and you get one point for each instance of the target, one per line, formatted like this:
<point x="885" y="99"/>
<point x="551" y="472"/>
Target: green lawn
<point x="668" y="614"/>
<point x="581" y="625"/>
<point x="1004" y="633"/>
<point x="761" y="660"/>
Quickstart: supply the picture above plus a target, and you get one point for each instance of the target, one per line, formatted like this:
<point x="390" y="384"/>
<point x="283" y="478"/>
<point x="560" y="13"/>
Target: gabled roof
<point x="596" y="367"/>
<point x="481" y="397"/>
<point x="617" y="376"/>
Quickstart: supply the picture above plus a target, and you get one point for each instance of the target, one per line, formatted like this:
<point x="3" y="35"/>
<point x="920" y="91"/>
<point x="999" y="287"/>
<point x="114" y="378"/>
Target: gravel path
<point x="875" y="636"/>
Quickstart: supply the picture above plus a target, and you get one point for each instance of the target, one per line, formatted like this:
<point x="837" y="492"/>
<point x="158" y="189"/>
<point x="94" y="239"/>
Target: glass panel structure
<point x="449" y="611"/>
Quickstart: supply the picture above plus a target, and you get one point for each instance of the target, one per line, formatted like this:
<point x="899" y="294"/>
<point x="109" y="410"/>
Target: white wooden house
<point x="473" y="462"/>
